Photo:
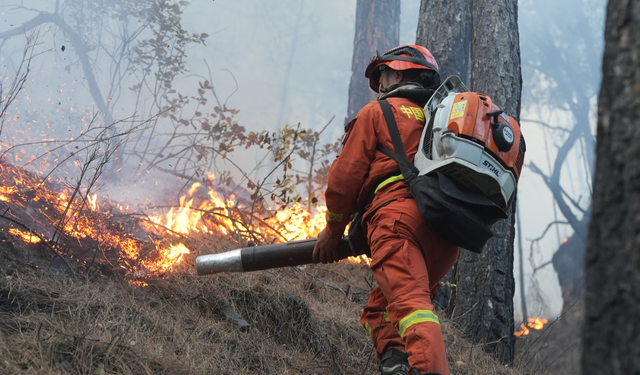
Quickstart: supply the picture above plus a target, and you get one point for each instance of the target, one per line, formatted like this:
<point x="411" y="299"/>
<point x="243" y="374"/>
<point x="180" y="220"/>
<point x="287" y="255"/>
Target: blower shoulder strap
<point x="400" y="156"/>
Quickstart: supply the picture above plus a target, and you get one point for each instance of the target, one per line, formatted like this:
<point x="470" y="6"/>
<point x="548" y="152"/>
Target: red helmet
<point x="405" y="57"/>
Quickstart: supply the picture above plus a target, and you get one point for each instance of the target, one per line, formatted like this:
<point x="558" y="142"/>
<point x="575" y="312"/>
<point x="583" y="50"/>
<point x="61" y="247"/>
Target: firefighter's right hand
<point x="326" y="249"/>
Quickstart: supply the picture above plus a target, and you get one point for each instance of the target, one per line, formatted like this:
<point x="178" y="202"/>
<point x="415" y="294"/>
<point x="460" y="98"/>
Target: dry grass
<point x="466" y="358"/>
<point x="300" y="321"/>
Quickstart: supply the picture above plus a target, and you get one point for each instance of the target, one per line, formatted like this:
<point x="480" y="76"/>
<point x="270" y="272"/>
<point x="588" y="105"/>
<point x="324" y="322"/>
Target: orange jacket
<point x="360" y="166"/>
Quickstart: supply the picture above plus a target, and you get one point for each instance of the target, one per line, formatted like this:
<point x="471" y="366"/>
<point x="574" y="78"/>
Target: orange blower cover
<point x="468" y="119"/>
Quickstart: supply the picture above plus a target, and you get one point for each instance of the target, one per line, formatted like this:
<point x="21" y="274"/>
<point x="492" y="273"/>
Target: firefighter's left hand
<point x="326" y="250"/>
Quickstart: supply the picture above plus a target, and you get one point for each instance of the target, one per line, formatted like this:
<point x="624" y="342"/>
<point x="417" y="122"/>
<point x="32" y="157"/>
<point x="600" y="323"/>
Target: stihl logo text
<point x="491" y="168"/>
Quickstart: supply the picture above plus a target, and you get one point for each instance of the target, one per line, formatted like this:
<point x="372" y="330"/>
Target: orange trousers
<point x="408" y="261"/>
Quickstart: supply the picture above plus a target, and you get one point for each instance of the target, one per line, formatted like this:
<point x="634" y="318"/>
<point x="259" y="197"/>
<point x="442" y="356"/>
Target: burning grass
<point x="135" y="243"/>
<point x="533" y="323"/>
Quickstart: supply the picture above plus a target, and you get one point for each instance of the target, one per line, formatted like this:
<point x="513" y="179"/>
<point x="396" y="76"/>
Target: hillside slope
<point x="302" y="320"/>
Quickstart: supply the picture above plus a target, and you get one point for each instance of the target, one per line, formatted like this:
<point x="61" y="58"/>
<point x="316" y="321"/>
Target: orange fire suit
<point x="408" y="259"/>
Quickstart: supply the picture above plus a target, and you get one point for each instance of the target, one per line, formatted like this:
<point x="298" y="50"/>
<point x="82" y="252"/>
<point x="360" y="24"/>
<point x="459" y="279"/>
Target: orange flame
<point x="360" y="259"/>
<point x="297" y="223"/>
<point x="26" y="237"/>
<point x="290" y="224"/>
<point x="7" y="190"/>
<point x="168" y="258"/>
<point x="523" y="330"/>
<point x="534" y="323"/>
<point x="197" y="213"/>
<point x="93" y="202"/>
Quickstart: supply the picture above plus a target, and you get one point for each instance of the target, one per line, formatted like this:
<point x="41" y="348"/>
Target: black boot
<point x="394" y="362"/>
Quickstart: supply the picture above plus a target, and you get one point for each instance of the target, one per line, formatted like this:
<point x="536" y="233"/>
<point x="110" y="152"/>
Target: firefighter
<point x="408" y="259"/>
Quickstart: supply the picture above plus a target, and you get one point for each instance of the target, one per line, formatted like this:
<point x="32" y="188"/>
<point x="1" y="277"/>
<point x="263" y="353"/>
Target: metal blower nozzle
<point x="231" y="261"/>
<point x="256" y="258"/>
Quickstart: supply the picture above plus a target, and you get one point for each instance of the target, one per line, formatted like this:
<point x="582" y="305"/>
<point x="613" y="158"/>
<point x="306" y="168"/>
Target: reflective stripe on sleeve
<point x="331" y="216"/>
<point x="417" y="316"/>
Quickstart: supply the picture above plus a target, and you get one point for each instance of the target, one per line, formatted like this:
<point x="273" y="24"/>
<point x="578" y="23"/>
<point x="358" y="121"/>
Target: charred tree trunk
<point x="444" y="29"/>
<point x="485" y="281"/>
<point x="610" y="335"/>
<point x="483" y="299"/>
<point x="377" y="29"/>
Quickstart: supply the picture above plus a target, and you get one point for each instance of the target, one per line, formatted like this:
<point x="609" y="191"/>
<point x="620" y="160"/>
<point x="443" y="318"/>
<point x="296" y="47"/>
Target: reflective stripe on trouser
<point x="408" y="261"/>
<point x="384" y="319"/>
<point x="376" y="321"/>
<point x="415" y="317"/>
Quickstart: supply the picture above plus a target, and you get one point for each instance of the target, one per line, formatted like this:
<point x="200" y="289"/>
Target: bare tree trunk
<point x="483" y="300"/>
<point x="377" y="29"/>
<point x="610" y="336"/>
